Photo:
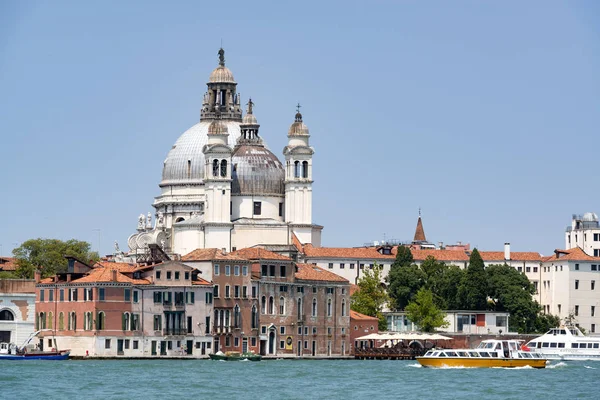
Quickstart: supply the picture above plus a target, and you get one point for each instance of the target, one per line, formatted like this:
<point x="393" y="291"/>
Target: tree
<point x="511" y="291"/>
<point x="472" y="292"/>
<point x="403" y="284"/>
<point x="371" y="296"/>
<point x="423" y="312"/>
<point x="404" y="257"/>
<point x="49" y="256"/>
<point x="443" y="281"/>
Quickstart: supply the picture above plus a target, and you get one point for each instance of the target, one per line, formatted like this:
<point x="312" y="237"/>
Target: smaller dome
<point x="249" y="119"/>
<point x="217" y="127"/>
<point x="221" y="74"/>
<point x="590" y="217"/>
<point x="298" y="128"/>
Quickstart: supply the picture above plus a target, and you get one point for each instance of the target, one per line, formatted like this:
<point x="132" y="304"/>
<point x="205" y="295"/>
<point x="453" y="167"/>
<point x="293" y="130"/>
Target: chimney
<point x="68" y="278"/>
<point x="113" y="275"/>
<point x="506" y="251"/>
<point x="37" y="276"/>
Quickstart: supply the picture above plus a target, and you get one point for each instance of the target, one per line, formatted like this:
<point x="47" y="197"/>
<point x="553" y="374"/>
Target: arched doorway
<point x="272" y="341"/>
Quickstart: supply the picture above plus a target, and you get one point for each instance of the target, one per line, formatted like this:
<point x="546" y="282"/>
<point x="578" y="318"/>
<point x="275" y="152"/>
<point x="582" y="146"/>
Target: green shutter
<point x="192" y="294"/>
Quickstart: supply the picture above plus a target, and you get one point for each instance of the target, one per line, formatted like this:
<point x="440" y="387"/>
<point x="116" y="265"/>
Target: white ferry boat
<point x="566" y="343"/>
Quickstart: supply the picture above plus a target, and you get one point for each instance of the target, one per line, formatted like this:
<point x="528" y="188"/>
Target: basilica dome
<point x="185" y="162"/>
<point x="256" y="171"/>
<point x="221" y="74"/>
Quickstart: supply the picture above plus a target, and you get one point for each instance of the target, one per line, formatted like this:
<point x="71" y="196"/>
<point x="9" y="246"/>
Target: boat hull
<point x="219" y="357"/>
<point x="445" y="362"/>
<point x="54" y="356"/>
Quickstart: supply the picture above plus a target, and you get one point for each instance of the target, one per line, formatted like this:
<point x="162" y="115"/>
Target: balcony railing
<point x="301" y="317"/>
<point x="175" y="332"/>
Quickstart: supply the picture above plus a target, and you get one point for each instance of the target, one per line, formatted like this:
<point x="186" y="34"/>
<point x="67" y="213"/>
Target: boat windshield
<point x="486" y="345"/>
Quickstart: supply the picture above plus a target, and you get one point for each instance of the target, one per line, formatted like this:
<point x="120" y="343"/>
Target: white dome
<point x="185" y="162"/>
<point x="590" y="217"/>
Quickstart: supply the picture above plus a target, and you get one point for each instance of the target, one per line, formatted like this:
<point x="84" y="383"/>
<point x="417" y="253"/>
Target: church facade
<point x="223" y="188"/>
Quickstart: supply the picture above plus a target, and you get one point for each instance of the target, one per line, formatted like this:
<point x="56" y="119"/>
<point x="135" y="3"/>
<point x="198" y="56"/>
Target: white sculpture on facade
<point x="149" y="221"/>
<point x="141" y="222"/>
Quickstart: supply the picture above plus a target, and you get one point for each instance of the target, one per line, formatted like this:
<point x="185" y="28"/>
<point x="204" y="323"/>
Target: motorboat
<point x="490" y="353"/>
<point x="10" y="351"/>
<point x="566" y="343"/>
<point x="235" y="356"/>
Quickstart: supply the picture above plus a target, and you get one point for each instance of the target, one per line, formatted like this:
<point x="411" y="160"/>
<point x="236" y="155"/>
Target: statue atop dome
<point x="221" y="57"/>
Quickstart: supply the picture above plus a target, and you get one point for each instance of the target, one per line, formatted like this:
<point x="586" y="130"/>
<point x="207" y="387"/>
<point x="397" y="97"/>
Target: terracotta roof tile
<point x="256" y="253"/>
<point x="106" y="275"/>
<point x="365" y="253"/>
<point x="121" y="267"/>
<point x="200" y="281"/>
<point x="574" y="254"/>
<point x="514" y="256"/>
<point x="47" y="280"/>
<point x="296" y="242"/>
<point x="8" y="264"/>
<point x="209" y="255"/>
<point x="440" y="255"/>
<point x="361" y="317"/>
<point x="310" y="272"/>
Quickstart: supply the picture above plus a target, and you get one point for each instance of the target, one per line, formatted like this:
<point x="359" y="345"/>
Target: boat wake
<point x="557" y="365"/>
<point x="588" y="367"/>
<point x="417" y="365"/>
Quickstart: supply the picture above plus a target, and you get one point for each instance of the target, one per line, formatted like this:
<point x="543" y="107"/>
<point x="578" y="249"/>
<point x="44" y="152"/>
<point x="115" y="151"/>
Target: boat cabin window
<point x="574" y="345"/>
<point x="561" y="345"/>
<point x="545" y="344"/>
<point x="526" y="355"/>
<point x="563" y="332"/>
<point x="451" y="354"/>
<point x="486" y="345"/>
<point x="442" y="354"/>
<point x="553" y="345"/>
<point x="473" y="354"/>
<point x="596" y="345"/>
<point x="462" y="354"/>
<point x="484" y="354"/>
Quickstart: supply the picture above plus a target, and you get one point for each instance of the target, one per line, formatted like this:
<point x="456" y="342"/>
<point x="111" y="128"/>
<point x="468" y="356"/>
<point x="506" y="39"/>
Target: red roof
<point x="200" y="281"/>
<point x="210" y="255"/>
<point x="296" y="242"/>
<point x="256" y="253"/>
<point x="365" y="253"/>
<point x="310" y="272"/>
<point x="514" y="256"/>
<point x="106" y="275"/>
<point x="8" y="264"/>
<point x="121" y="267"/>
<point x="574" y="254"/>
<point x="440" y="255"/>
<point x="361" y="317"/>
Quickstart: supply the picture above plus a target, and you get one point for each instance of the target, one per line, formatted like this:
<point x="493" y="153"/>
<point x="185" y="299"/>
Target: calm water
<point x="291" y="379"/>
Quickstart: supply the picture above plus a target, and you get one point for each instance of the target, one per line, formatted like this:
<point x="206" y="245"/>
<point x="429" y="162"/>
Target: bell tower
<point x="298" y="179"/>
<point x="221" y="97"/>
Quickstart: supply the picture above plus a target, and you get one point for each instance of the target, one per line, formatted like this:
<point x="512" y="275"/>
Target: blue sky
<point x="484" y="114"/>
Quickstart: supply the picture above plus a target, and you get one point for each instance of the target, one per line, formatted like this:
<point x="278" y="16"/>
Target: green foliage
<point x="403" y="284"/>
<point x="371" y="296"/>
<point x="543" y="323"/>
<point x="423" y="311"/>
<point x="8" y="275"/>
<point x="443" y="281"/>
<point x="472" y="292"/>
<point x="404" y="257"/>
<point x="49" y="256"/>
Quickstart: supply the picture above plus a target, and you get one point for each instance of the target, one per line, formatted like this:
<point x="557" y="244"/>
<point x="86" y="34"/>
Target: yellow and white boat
<point x="489" y="354"/>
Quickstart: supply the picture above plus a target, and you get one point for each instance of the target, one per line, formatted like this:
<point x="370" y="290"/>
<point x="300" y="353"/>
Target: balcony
<point x="175" y="332"/>
<point x="222" y="329"/>
<point x="301" y="317"/>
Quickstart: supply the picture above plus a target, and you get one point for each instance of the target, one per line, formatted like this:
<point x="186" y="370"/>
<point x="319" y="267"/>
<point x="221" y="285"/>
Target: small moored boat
<point x="234" y="356"/>
<point x="10" y="351"/>
<point x="489" y="354"/>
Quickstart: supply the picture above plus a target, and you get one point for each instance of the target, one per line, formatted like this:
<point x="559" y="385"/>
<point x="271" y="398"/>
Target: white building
<point x="17" y="310"/>
<point x="474" y="322"/>
<point x="569" y="287"/>
<point x="584" y="232"/>
<point x="223" y="188"/>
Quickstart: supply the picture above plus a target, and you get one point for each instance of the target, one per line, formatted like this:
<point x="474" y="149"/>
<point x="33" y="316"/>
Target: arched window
<point x="61" y="321"/>
<point x="50" y="320"/>
<point x="300" y="309"/>
<point x="254" y="317"/>
<point x="344" y="308"/>
<point x="305" y="169"/>
<point x="236" y="316"/>
<point x="72" y="321"/>
<point x="100" y="321"/>
<point x="179" y="219"/>
<point x="223" y="168"/>
<point x="7" y="315"/>
<point x="271" y="305"/>
<point x="215" y="168"/>
<point x="216" y="321"/>
<point x="41" y="321"/>
<point x="126" y="322"/>
<point x="227" y="318"/>
<point x="263" y="305"/>
<point x="282" y="306"/>
<point x="329" y="307"/>
<point x="314" y="308"/>
<point x="222" y="318"/>
<point x="296" y="169"/>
